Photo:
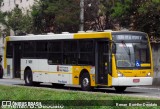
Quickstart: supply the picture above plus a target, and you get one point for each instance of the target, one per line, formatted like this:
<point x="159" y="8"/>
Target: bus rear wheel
<point x="120" y="89"/>
<point x="28" y="78"/>
<point x="85" y="82"/>
<point x="1" y="72"/>
<point x="1" y="75"/>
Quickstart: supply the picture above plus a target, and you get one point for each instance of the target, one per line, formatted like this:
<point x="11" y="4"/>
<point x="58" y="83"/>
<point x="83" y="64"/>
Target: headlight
<point x="120" y="74"/>
<point x="149" y="74"/>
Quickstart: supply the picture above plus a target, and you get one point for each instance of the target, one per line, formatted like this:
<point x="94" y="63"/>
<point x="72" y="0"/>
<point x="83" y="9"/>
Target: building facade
<point x="9" y="5"/>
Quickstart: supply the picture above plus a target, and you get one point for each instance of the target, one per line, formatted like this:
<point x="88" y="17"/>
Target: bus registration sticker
<point x="136" y="80"/>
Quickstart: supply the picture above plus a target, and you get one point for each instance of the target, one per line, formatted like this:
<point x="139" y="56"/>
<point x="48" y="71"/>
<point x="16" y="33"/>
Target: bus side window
<point x="29" y="49"/>
<point x="70" y="52"/>
<point x="41" y="49"/>
<point x="86" y="52"/>
<point x="55" y="52"/>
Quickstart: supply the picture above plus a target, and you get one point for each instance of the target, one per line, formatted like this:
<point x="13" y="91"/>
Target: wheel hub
<point x="85" y="82"/>
<point x="28" y="79"/>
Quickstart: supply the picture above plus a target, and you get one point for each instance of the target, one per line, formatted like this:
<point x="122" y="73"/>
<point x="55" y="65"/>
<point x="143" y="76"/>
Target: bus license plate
<point x="136" y="80"/>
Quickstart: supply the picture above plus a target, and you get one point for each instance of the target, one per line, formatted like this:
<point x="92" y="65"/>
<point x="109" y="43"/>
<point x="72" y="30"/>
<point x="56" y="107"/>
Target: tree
<point x="107" y="10"/>
<point x="121" y="12"/>
<point x="2" y="18"/>
<point x="56" y="16"/>
<point x="3" y="21"/>
<point x="142" y="15"/>
<point x="1" y="2"/>
<point x="149" y="17"/>
<point x="17" y="21"/>
<point x="92" y="19"/>
<point x="99" y="14"/>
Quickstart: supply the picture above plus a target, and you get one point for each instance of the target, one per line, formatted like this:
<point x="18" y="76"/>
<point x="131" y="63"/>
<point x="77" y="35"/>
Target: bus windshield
<point x="132" y="54"/>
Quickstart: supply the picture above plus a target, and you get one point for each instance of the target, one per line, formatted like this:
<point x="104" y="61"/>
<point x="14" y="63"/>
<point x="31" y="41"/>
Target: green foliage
<point x="64" y="97"/>
<point x="92" y="14"/>
<point x="149" y="19"/>
<point x="30" y="93"/>
<point x="120" y="11"/>
<point x="63" y="15"/>
<point x="14" y="19"/>
<point x="2" y="18"/>
<point x="19" y="22"/>
<point x="142" y="15"/>
<point x="56" y="16"/>
<point x="1" y="2"/>
<point x="120" y="8"/>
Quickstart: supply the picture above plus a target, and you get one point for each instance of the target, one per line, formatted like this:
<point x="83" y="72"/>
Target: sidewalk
<point x="156" y="82"/>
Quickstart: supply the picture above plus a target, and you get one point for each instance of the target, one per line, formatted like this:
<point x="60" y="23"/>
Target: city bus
<point x="118" y="59"/>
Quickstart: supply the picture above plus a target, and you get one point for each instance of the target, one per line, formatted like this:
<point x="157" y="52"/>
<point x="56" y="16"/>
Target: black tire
<point x="28" y="78"/>
<point x="1" y="75"/>
<point x="1" y="72"/>
<point x="85" y="82"/>
<point x="120" y="89"/>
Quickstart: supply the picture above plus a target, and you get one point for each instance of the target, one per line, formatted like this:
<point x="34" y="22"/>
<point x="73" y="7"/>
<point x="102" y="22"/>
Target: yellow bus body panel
<point x="152" y="71"/>
<point x="145" y="65"/>
<point x="93" y="35"/>
<point x="76" y="74"/>
<point x="109" y="80"/>
<point x="135" y="73"/>
<point x="114" y="71"/>
<point x="5" y="52"/>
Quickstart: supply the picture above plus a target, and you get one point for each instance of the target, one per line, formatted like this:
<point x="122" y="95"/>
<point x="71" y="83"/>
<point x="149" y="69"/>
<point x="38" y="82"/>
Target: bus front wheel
<point x="120" y="89"/>
<point x="85" y="82"/>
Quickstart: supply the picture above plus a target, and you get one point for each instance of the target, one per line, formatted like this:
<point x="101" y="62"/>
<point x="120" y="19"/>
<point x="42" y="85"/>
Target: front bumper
<point x="129" y="81"/>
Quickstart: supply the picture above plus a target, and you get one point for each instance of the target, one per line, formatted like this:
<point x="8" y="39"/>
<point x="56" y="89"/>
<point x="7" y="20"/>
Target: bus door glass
<point x="16" y="60"/>
<point x="102" y="61"/>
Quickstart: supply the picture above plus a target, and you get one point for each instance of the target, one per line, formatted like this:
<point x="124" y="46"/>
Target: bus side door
<point x="102" y="62"/>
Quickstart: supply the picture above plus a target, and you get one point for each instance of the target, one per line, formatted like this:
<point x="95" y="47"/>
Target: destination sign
<point x="129" y="37"/>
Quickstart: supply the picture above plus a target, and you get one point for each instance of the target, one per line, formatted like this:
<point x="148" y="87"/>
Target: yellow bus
<point x="118" y="59"/>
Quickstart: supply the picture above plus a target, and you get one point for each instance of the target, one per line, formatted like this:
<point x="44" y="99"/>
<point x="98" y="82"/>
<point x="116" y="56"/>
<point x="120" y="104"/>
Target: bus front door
<point x="102" y="60"/>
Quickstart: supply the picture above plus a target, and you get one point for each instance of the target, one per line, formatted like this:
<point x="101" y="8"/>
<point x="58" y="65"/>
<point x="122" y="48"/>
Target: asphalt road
<point x="143" y="91"/>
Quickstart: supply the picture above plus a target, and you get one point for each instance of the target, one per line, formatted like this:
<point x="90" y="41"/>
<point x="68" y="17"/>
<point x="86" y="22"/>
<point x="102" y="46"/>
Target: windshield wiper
<point x="127" y="49"/>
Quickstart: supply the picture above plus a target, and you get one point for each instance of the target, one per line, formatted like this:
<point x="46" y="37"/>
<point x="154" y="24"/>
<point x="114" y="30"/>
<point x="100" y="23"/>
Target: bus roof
<point x="81" y="35"/>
